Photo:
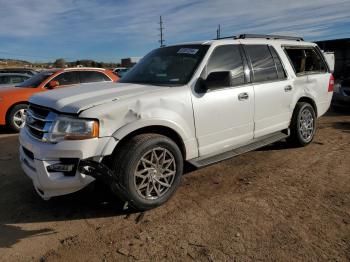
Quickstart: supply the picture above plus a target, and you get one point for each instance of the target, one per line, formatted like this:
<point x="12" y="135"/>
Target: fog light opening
<point x="61" y="167"/>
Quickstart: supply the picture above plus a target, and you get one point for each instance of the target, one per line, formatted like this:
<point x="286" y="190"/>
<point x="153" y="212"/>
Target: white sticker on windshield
<point x="190" y="51"/>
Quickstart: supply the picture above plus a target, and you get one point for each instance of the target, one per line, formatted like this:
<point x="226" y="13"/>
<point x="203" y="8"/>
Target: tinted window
<point x="16" y="79"/>
<point x="67" y="78"/>
<point x="92" y="76"/>
<point x="227" y="58"/>
<point x="280" y="70"/>
<point x="35" y="80"/>
<point x="306" y="60"/>
<point x="4" y="80"/>
<point x="171" y="66"/>
<point x="263" y="65"/>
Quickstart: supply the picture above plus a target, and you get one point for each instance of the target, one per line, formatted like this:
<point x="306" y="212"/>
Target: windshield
<point x="35" y="80"/>
<point x="172" y="65"/>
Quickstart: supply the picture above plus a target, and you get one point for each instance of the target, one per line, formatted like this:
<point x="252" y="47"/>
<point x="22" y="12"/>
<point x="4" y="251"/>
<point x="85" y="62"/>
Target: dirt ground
<point x="273" y="204"/>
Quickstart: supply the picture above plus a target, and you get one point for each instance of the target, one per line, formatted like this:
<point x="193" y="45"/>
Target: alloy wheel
<point x="155" y="173"/>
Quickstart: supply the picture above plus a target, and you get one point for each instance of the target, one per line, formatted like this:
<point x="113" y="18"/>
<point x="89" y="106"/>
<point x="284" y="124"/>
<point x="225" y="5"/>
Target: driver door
<point x="224" y="116"/>
<point x="65" y="79"/>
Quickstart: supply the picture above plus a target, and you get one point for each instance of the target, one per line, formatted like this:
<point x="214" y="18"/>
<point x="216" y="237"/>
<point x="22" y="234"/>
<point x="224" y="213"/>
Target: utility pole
<point x="161" y="28"/>
<point x="218" y="32"/>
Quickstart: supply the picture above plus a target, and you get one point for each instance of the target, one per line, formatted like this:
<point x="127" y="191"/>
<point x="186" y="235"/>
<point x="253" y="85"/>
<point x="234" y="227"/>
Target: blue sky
<point x="107" y="30"/>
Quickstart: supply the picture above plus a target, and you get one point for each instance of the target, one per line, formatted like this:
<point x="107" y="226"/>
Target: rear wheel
<point x="149" y="167"/>
<point x="303" y="125"/>
<point x="16" y="117"/>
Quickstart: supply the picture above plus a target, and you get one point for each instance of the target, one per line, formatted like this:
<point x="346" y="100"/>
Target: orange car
<point x="14" y="100"/>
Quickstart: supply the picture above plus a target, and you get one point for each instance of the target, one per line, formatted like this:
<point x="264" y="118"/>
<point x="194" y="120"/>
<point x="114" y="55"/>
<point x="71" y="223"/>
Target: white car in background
<point x="198" y="103"/>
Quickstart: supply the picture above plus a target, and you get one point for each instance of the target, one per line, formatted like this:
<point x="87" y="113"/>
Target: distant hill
<point x="22" y="63"/>
<point x="14" y="63"/>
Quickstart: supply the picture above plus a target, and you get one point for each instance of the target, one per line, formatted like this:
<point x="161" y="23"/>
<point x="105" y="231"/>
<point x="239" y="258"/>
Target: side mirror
<point x="53" y="84"/>
<point x="217" y="80"/>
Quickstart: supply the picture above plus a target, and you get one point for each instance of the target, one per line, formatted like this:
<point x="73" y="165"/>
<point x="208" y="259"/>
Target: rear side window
<point x="306" y="60"/>
<point x="92" y="76"/>
<point x="67" y="78"/>
<point x="279" y="67"/>
<point x="227" y="58"/>
<point x="262" y="62"/>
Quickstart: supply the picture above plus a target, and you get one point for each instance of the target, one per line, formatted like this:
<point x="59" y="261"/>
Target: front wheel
<point x="16" y="117"/>
<point x="303" y="124"/>
<point x="149" y="168"/>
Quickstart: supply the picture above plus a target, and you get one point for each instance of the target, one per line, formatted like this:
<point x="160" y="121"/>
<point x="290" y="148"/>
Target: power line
<point x="161" y="28"/>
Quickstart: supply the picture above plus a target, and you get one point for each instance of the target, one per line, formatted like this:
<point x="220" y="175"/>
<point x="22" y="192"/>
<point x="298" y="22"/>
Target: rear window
<point x="262" y="62"/>
<point x="306" y="60"/>
<point x="36" y="80"/>
<point x="92" y="76"/>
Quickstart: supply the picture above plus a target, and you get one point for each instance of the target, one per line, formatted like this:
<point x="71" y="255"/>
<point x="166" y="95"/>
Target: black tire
<point x="298" y="136"/>
<point x="10" y="119"/>
<point x="128" y="159"/>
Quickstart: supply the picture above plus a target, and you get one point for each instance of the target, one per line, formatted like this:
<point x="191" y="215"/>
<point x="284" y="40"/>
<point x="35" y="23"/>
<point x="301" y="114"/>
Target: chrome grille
<point x="39" y="120"/>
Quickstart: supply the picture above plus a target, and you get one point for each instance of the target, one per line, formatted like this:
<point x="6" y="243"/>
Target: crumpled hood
<point x="81" y="97"/>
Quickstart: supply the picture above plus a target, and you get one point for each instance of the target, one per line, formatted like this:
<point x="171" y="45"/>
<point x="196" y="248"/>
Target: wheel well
<point x="310" y="101"/>
<point x="10" y="108"/>
<point x="161" y="130"/>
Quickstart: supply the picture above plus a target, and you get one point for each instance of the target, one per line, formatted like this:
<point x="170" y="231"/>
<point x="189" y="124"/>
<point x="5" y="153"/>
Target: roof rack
<point x="294" y="38"/>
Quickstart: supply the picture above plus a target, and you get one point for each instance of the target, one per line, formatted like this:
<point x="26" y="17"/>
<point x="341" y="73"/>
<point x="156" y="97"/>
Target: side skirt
<point x="203" y="161"/>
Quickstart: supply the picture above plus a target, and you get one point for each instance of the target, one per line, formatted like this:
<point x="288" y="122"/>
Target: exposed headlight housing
<point x="70" y="128"/>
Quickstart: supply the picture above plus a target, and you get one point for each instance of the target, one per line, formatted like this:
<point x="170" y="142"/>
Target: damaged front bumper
<point x="55" y="168"/>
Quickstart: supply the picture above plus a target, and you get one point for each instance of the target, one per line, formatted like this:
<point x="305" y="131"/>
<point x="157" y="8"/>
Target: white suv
<point x="196" y="103"/>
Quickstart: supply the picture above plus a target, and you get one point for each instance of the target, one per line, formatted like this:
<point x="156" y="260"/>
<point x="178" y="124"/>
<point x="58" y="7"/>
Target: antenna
<point x="218" y="32"/>
<point x="161" y="28"/>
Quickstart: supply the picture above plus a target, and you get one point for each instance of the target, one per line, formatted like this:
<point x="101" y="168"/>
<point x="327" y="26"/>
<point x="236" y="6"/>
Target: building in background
<point x="130" y="61"/>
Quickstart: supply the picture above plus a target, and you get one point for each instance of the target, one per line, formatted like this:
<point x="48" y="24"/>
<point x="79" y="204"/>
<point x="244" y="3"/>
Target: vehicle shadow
<point x="332" y="112"/>
<point x="344" y="126"/>
<point x="95" y="201"/>
<point x="4" y="130"/>
<point x="14" y="234"/>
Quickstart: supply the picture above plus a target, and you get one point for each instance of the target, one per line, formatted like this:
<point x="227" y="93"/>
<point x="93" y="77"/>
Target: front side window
<point x="92" y="76"/>
<point x="227" y="58"/>
<point x="170" y="66"/>
<point x="67" y="78"/>
<point x="262" y="62"/>
<point x="305" y="60"/>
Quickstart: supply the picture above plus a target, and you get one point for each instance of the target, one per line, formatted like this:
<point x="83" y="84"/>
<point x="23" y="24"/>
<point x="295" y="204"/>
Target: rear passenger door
<point x="273" y="90"/>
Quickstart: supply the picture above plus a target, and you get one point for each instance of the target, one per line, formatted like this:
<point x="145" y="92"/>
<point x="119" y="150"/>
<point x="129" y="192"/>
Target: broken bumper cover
<point x="36" y="156"/>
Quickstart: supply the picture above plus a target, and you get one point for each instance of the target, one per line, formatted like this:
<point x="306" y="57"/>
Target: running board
<point x="258" y="143"/>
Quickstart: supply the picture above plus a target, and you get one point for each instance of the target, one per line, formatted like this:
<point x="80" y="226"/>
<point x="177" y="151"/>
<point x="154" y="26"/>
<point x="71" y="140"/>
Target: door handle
<point x="288" y="88"/>
<point x="243" y="96"/>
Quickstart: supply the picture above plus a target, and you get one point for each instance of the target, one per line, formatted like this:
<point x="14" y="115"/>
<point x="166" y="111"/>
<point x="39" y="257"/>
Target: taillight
<point x="331" y="84"/>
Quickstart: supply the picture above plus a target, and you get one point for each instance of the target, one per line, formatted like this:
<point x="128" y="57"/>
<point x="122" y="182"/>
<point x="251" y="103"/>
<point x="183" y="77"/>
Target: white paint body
<point x="208" y="123"/>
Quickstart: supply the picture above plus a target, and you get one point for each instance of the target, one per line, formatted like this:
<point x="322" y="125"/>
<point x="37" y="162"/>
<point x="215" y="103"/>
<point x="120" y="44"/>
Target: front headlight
<point x="69" y="128"/>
